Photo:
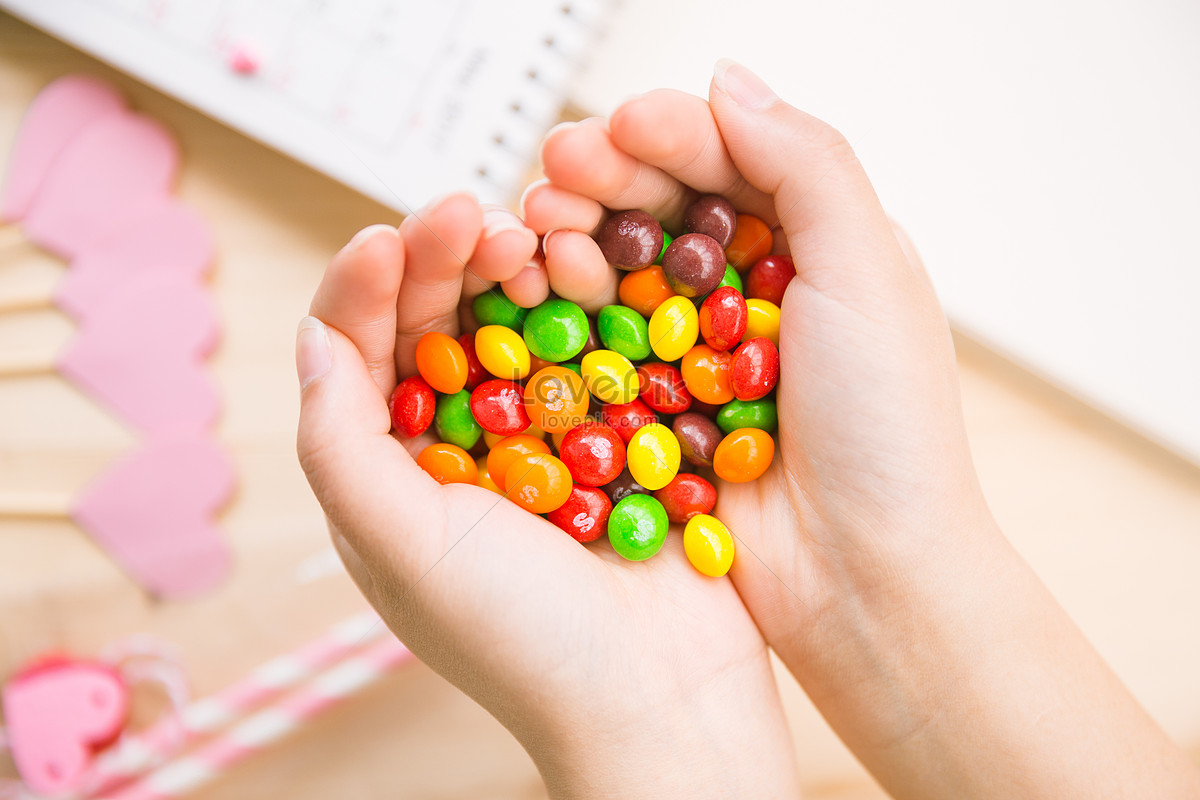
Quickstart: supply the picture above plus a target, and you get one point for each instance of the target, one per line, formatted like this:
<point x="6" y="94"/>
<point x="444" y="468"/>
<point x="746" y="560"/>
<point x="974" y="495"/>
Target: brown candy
<point x="631" y="240"/>
<point x="694" y="264"/>
<point x="713" y="216"/>
<point x="698" y="438"/>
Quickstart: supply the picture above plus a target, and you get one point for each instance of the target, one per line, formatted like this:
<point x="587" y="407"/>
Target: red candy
<point x="686" y="496"/>
<point x="769" y="277"/>
<point x="584" y="515"/>
<point x="661" y="387"/>
<point x="626" y="418"/>
<point x="476" y="374"/>
<point x="723" y="318"/>
<point x="412" y="406"/>
<point x="754" y="370"/>
<point x="593" y="452"/>
<point x="499" y="407"/>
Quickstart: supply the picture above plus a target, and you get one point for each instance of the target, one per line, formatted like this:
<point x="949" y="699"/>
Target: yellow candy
<point x="490" y="439"/>
<point x="762" y="319"/>
<point x="502" y="352"/>
<point x="674" y="327"/>
<point x="653" y="455"/>
<point x="484" y="479"/>
<point x="609" y="376"/>
<point x="708" y="545"/>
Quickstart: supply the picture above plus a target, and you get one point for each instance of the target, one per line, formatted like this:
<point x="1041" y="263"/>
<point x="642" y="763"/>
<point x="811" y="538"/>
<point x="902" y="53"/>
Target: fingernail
<point x="366" y="234"/>
<point x="534" y="185"/>
<point x="743" y="86"/>
<point x="547" y="236"/>
<point x="313" y="353"/>
<point x="498" y="220"/>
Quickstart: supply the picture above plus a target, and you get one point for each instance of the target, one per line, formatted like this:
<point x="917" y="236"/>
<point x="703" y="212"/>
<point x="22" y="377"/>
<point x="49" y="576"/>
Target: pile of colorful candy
<point x="629" y="398"/>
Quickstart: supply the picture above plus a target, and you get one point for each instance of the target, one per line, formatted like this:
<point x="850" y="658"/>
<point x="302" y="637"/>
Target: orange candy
<point x="448" y="463"/>
<point x="744" y="455"/>
<point x="645" y="290"/>
<point x="556" y="399"/>
<point x="508" y="450"/>
<point x="442" y="362"/>
<point x="751" y="241"/>
<point x="706" y="374"/>
<point x="538" y="482"/>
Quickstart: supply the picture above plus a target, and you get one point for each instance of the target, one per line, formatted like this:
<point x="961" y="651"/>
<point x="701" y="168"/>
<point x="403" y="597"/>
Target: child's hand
<point x="620" y="679"/>
<point x="866" y="554"/>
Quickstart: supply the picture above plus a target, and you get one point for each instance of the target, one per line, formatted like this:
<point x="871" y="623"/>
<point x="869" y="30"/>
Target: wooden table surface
<point x="1111" y="523"/>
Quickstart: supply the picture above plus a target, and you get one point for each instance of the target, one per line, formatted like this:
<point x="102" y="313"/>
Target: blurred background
<point x="1042" y="157"/>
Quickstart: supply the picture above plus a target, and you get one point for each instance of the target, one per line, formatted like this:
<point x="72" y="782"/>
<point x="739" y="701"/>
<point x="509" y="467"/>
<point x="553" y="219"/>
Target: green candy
<point x="667" y="239"/>
<point x="759" y="414"/>
<point x="556" y="330"/>
<point x="494" y="308"/>
<point x="637" y="527"/>
<point x="576" y="368"/>
<point x="454" y="422"/>
<point x="624" y="331"/>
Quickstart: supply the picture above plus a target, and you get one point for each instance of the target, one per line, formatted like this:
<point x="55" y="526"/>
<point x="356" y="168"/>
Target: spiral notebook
<point x="400" y="99"/>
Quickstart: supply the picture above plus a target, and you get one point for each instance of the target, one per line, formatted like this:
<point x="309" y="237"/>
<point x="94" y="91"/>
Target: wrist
<point x="724" y="736"/>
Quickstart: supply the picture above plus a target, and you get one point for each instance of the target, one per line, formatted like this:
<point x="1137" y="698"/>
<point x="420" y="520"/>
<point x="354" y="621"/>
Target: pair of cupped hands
<point x="866" y="555"/>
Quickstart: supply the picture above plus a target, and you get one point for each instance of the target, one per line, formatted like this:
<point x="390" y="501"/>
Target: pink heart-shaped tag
<point x="163" y="235"/>
<point x="153" y="513"/>
<point x="141" y="354"/>
<point x="57" y="715"/>
<point x="109" y="169"/>
<point x="54" y="118"/>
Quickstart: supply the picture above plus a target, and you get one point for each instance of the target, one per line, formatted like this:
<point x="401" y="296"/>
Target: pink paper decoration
<point x="115" y="164"/>
<point x="162" y="236"/>
<point x="57" y="714"/>
<point x="153" y="512"/>
<point x="53" y="120"/>
<point x="141" y="353"/>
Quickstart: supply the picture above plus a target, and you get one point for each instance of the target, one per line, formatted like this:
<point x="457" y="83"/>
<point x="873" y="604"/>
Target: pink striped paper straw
<point x="259" y="731"/>
<point x="136" y="754"/>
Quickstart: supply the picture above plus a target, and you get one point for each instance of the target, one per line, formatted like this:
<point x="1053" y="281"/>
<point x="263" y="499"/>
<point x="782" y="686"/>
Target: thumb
<point x="826" y="205"/>
<point x="369" y="486"/>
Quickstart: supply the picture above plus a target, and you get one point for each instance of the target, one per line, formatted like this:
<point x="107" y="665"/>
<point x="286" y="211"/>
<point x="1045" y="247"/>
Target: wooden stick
<point x="22" y="364"/>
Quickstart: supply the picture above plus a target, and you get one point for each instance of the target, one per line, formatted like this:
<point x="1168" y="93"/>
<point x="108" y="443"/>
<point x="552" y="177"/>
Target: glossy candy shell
<point x="556" y="399"/>
<point x="661" y="387"/>
<point x="448" y="463"/>
<point x="706" y="373"/>
<point x="442" y="362"/>
<point x="610" y="377"/>
<point x="722" y="318"/>
<point x="759" y="414"/>
<point x="623" y="330"/>
<point x="708" y="545"/>
<point x="593" y="452"/>
<point x="538" y="482"/>
<point x="653" y="456"/>
<point x="754" y="369"/>
<point x="744" y="455"/>
<point x="584" y="515"/>
<point x="556" y="330"/>
<point x="499" y="407"/>
<point x="502" y="352"/>
<point x="637" y="527"/>
<point x="412" y="406"/>
<point x="674" y="328"/>
<point x="454" y="422"/>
